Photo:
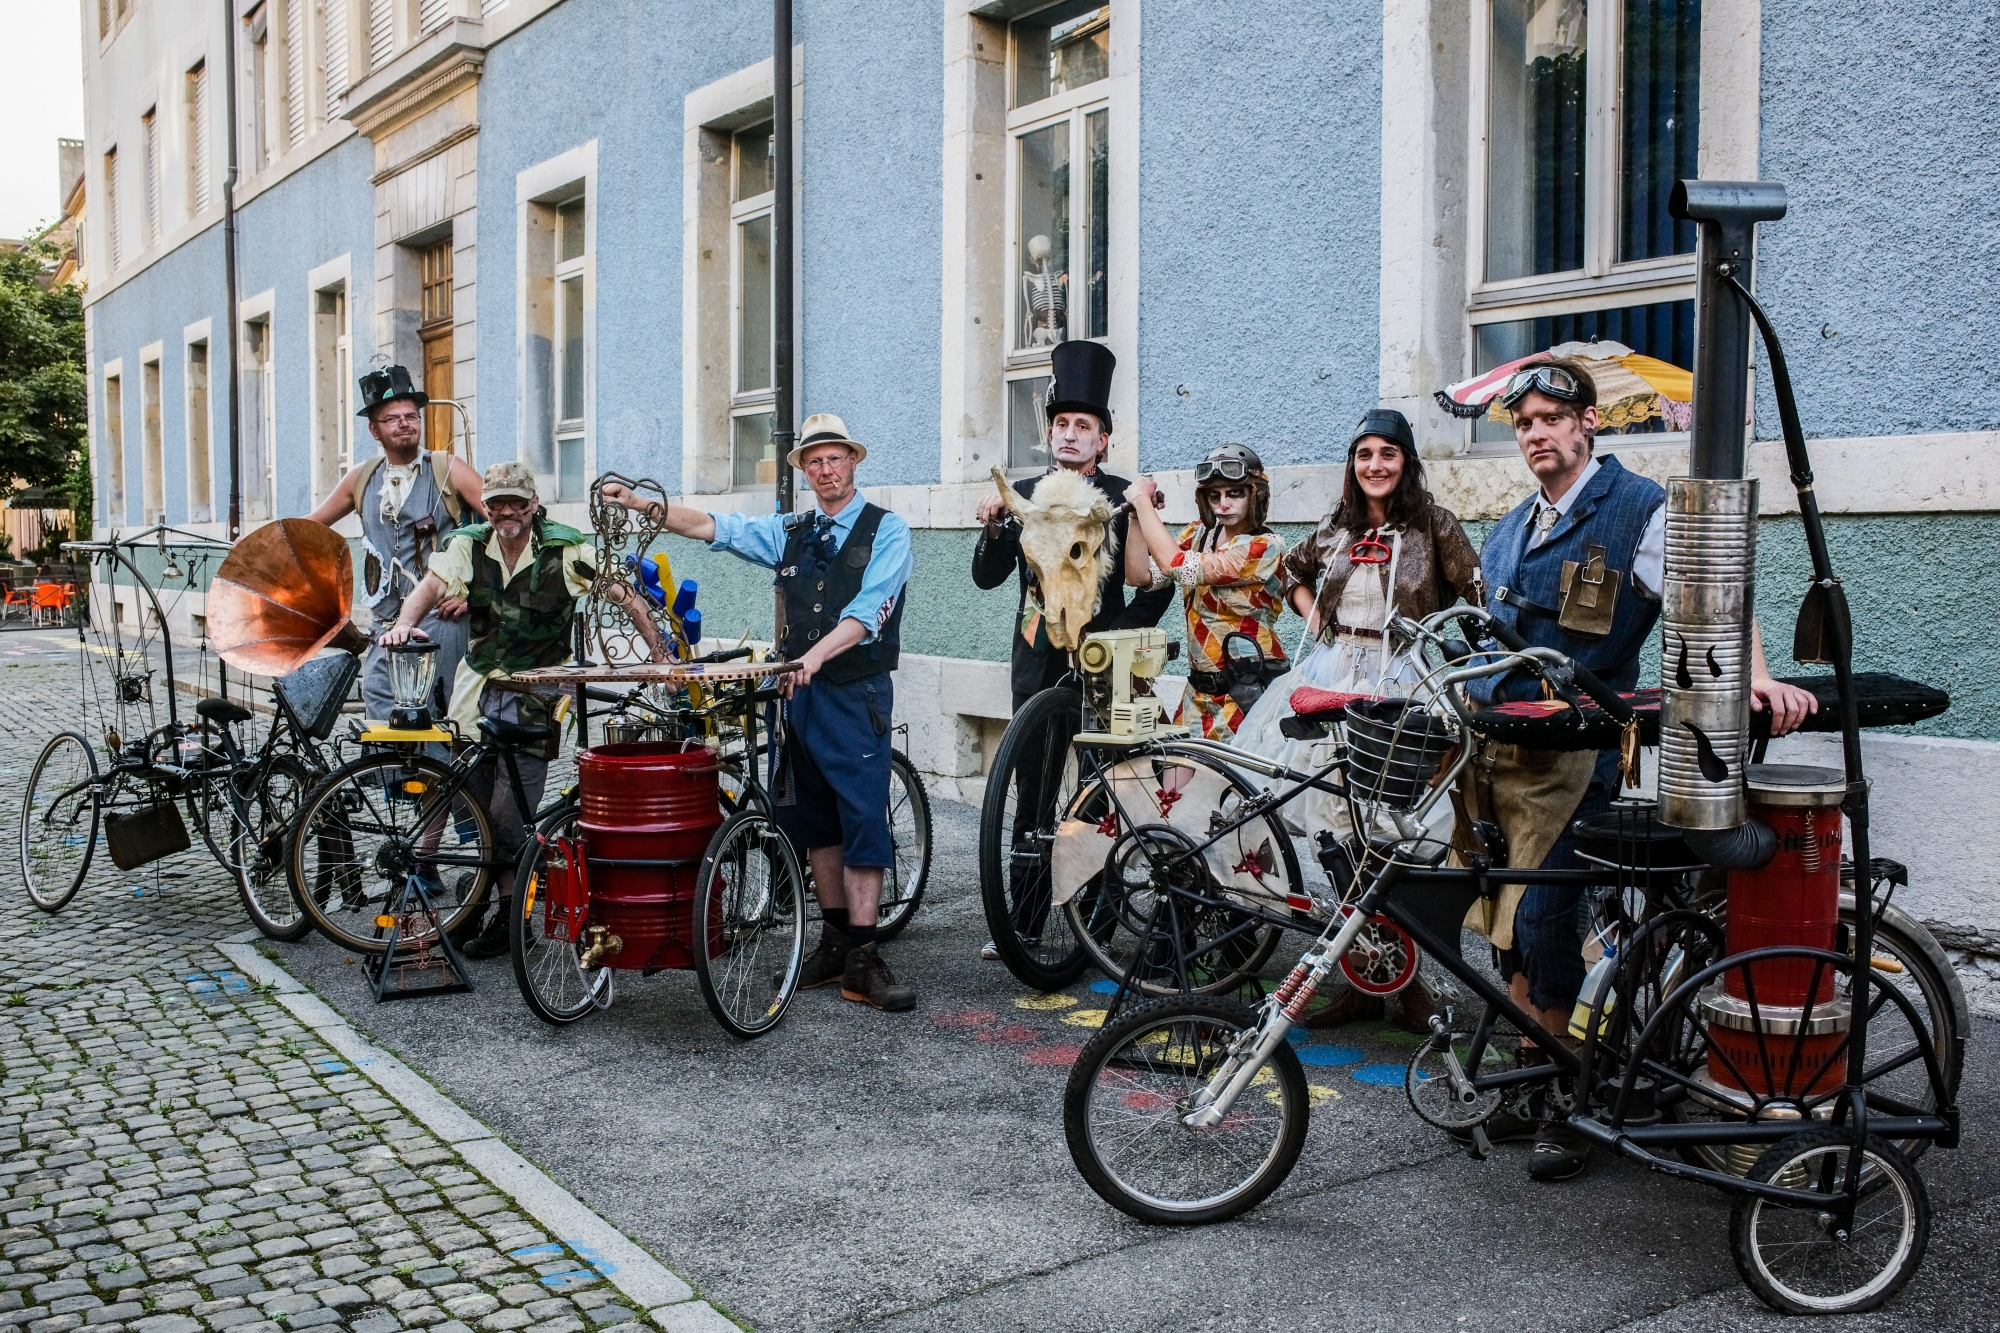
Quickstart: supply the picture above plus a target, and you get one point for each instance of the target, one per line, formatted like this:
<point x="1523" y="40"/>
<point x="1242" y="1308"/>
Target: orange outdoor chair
<point x="52" y="597"/>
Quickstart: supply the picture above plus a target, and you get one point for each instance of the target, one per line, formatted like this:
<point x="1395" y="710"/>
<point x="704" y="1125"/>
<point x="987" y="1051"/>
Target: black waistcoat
<point x="816" y="594"/>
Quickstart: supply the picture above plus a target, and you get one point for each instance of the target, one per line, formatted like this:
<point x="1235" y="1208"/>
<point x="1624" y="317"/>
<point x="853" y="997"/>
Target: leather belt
<point x="1357" y="632"/>
<point x="1513" y="597"/>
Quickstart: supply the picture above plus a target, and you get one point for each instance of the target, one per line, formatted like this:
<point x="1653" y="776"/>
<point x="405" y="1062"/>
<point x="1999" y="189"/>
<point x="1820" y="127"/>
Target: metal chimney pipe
<point x="1708" y="604"/>
<point x="1726" y="214"/>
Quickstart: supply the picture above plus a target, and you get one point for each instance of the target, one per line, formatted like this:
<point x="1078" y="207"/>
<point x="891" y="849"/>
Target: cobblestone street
<point x="180" y="1152"/>
<point x="203" y="1131"/>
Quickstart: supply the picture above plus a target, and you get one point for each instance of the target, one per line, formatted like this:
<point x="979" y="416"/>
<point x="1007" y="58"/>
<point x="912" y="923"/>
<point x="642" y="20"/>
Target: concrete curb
<point x="651" y="1286"/>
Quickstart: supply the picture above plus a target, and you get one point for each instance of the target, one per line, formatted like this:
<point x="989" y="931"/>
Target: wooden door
<point x="435" y="330"/>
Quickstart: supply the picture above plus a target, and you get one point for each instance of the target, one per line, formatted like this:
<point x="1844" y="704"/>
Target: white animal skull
<point x="1067" y="539"/>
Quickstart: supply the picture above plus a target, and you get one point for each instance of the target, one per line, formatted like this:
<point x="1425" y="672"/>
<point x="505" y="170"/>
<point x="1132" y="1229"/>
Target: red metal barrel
<point x="651" y="801"/>
<point x="1793" y="901"/>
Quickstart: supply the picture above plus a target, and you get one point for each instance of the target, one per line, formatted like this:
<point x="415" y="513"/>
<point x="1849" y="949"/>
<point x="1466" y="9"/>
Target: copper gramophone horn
<point x="282" y="595"/>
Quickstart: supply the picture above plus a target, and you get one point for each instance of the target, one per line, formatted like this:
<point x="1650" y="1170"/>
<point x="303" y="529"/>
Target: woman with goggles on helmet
<point x="1228" y="567"/>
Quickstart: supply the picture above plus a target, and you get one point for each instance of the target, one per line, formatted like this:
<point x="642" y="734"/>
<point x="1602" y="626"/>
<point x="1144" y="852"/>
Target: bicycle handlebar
<point x="1601" y="694"/>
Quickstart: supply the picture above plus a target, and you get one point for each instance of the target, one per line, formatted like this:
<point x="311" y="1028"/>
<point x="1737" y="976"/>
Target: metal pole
<point x="782" y="372"/>
<point x="782" y="377"/>
<point x="229" y="273"/>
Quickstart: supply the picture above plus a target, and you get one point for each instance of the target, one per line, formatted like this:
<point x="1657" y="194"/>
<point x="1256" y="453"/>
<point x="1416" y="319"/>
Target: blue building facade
<point x="1276" y="214"/>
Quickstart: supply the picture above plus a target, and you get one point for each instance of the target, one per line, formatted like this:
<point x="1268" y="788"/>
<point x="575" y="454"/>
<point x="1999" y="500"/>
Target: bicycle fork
<point x="1281" y="1011"/>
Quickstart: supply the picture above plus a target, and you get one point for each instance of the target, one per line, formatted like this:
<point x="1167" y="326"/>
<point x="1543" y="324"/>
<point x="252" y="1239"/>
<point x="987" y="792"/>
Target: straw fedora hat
<point x="824" y="428"/>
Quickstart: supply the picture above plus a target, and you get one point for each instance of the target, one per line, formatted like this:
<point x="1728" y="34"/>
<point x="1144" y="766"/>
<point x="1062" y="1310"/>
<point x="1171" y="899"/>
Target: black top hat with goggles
<point x="391" y="384"/>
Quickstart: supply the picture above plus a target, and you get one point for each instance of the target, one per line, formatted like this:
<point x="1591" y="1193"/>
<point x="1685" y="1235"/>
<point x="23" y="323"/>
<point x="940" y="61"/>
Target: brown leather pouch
<point x="1589" y="595"/>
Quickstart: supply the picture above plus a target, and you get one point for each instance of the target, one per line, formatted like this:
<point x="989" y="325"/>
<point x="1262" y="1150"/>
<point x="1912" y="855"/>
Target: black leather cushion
<point x="513" y="735"/>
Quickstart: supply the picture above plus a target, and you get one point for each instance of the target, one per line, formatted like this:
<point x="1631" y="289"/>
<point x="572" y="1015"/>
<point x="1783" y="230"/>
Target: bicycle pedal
<point x="1481" y="1147"/>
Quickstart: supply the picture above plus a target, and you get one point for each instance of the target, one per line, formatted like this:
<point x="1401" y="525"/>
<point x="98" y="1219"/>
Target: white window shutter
<point x="295" y="71"/>
<point x="381" y="32"/>
<point x="334" y="25"/>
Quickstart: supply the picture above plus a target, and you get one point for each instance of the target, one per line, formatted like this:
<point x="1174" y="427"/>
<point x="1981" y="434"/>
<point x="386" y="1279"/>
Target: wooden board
<point x="651" y="673"/>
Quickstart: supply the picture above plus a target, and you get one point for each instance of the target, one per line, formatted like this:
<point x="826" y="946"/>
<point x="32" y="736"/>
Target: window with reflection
<point x="1663" y="330"/>
<point x="1060" y="177"/>
<point x="753" y="455"/>
<point x="572" y="361"/>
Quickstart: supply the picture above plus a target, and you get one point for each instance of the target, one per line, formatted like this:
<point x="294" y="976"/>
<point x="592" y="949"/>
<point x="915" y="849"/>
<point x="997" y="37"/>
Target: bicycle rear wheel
<point x="59" y="821"/>
<point x="748" y="914"/>
<point x="1034" y="780"/>
<point x="259" y="806"/>
<point x="1126" y="1095"/>
<point x="373" y="822"/>
<point x="904" y="882"/>
<point x="1800" y="1259"/>
<point x="546" y="944"/>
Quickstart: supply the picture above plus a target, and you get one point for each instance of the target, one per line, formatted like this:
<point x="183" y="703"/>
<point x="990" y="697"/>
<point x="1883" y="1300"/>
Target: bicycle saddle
<point x="222" y="712"/>
<point x="513" y="735"/>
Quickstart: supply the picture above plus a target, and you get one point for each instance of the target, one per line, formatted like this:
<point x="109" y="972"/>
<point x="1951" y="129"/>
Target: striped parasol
<point x="1631" y="388"/>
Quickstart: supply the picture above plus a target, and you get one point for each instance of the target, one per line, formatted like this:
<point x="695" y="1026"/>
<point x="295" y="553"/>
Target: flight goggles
<point x="1552" y="381"/>
<point x="1221" y="469"/>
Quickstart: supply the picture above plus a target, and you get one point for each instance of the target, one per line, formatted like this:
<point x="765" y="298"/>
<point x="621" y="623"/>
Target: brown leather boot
<point x="1348" y="1005"/>
<point x="1419" y="1003"/>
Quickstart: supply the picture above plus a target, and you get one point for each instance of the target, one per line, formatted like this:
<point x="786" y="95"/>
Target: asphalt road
<point x="908" y="1172"/>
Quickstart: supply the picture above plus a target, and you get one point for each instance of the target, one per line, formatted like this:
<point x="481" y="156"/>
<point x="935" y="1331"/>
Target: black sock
<point x="835" y="917"/>
<point x="863" y="936"/>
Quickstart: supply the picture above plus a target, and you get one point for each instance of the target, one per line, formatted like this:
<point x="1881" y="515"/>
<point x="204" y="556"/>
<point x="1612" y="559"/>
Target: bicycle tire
<point x="49" y="848"/>
<point x="261" y="825"/>
<point x="738" y="902"/>
<point x="1146" y="1086"/>
<point x="1095" y="921"/>
<point x="323" y="858"/>
<point x="1779" y="1268"/>
<point x="547" y="969"/>
<point x="897" y="910"/>
<point x="1012" y="885"/>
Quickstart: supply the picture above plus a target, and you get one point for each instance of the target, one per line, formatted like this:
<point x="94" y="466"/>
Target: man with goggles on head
<point x="1579" y="567"/>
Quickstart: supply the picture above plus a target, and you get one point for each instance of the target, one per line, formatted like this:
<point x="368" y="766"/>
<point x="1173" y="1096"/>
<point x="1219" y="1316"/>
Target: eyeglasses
<point x="507" y="504"/>
<point x="1228" y="469"/>
<point x="1553" y="381"/>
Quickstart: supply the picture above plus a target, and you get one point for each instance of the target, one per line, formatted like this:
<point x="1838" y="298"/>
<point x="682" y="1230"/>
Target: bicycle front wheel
<point x="547" y="928"/>
<point x="373" y="823"/>
<point x="750" y="924"/>
<point x="1033" y="783"/>
<point x="59" y="821"/>
<point x="1139" y="1075"/>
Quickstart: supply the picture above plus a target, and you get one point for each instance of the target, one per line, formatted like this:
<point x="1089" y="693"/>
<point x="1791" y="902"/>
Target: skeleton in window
<point x="1046" y="294"/>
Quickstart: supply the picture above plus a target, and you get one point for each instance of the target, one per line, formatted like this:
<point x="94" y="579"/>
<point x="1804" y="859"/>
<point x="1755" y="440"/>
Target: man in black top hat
<point x="1079" y="417"/>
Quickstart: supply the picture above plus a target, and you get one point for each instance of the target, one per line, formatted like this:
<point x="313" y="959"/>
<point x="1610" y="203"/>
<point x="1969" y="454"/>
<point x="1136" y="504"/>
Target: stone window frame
<point x="1433" y="185"/>
<point x="200" y="447"/>
<point x="979" y="276"/>
<point x="538" y="191"/>
<point x="711" y="115"/>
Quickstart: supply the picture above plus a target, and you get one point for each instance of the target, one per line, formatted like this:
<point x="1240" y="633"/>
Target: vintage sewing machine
<point x="1119" y="667"/>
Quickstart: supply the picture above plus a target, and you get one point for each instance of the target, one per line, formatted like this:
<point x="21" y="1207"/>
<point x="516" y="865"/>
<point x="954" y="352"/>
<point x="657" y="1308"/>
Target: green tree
<point x="43" y="388"/>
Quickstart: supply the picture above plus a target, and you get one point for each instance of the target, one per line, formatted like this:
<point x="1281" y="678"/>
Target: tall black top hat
<point x="391" y="384"/>
<point x="1082" y="379"/>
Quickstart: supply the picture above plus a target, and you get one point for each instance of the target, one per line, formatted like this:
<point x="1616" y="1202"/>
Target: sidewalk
<point x="189" y="1142"/>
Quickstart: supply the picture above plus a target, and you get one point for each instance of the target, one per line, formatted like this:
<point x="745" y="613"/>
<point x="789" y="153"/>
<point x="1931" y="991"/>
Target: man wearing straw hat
<point x="842" y="567"/>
